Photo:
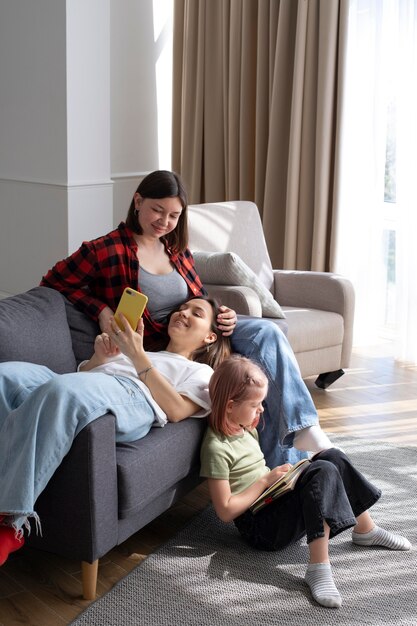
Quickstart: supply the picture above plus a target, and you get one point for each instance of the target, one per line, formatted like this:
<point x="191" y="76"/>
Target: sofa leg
<point x="327" y="378"/>
<point x="89" y="579"/>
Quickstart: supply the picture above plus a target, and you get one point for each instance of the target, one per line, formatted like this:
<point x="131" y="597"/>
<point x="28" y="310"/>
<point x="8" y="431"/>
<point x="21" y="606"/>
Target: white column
<point x="55" y="185"/>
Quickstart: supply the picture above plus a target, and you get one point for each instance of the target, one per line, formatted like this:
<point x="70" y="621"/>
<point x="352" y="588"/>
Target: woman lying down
<point x="41" y="412"/>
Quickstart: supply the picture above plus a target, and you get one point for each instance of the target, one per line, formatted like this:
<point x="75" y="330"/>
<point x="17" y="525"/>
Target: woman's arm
<point x="104" y="349"/>
<point x="227" y="506"/>
<point x="71" y="277"/>
<point x="175" y="406"/>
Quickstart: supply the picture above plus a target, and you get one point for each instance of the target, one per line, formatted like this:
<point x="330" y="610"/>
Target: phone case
<point x="132" y="304"/>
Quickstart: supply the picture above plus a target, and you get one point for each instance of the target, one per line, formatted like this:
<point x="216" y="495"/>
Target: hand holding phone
<point x="131" y="305"/>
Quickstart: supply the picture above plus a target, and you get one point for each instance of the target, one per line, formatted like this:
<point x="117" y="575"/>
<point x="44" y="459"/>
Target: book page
<point x="283" y="484"/>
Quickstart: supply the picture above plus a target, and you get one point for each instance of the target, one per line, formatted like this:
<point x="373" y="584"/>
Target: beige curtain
<point x="256" y="110"/>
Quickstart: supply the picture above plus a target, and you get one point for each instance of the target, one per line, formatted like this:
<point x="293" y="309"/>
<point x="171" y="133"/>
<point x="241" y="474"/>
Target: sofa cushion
<point x="311" y="329"/>
<point x="227" y="268"/>
<point x="83" y="332"/>
<point x="34" y="328"/>
<point x="148" y="467"/>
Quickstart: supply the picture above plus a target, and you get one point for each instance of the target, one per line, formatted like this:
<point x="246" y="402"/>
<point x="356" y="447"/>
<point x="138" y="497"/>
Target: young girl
<point x="41" y="412"/>
<point x="329" y="497"/>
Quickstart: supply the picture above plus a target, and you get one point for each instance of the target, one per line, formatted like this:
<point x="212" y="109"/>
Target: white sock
<point x="380" y="537"/>
<point x="312" y="439"/>
<point x="320" y="580"/>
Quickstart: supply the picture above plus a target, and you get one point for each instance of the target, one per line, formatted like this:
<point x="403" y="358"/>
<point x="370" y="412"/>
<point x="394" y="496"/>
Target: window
<point x="377" y="192"/>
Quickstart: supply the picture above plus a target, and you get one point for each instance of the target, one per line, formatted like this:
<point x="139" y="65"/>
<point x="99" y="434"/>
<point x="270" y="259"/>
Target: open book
<point x="279" y="487"/>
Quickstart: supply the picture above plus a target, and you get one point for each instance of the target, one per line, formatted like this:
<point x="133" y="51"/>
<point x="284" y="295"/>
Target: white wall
<point x="33" y="88"/>
<point x="32" y="136"/>
<point x="141" y="94"/>
<point x="80" y="123"/>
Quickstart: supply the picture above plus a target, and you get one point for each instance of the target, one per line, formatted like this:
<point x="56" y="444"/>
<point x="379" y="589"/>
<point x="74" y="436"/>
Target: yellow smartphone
<point x="132" y="304"/>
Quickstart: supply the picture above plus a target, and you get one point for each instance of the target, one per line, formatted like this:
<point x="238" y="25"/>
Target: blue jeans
<point x="40" y="415"/>
<point x="330" y="490"/>
<point x="288" y="406"/>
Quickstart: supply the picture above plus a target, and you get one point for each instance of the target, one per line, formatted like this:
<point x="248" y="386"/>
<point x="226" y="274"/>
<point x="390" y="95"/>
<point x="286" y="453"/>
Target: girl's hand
<point x="104" y="348"/>
<point x="277" y="473"/>
<point x="226" y="320"/>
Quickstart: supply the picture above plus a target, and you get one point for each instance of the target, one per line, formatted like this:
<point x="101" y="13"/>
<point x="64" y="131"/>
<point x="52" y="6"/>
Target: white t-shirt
<point x="188" y="378"/>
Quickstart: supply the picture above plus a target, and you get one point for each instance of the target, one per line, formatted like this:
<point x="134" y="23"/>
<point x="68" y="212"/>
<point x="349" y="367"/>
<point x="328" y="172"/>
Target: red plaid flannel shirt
<point x="96" y="274"/>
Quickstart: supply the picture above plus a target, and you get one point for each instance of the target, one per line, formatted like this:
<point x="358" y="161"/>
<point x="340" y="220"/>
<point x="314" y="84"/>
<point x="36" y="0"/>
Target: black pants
<point x="330" y="490"/>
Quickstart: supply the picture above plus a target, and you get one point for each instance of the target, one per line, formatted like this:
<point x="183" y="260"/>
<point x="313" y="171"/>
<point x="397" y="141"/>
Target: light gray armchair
<point x="318" y="306"/>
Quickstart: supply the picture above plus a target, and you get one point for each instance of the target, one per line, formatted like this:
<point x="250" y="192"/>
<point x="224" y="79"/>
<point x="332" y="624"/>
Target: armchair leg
<point x="89" y="579"/>
<point x="327" y="378"/>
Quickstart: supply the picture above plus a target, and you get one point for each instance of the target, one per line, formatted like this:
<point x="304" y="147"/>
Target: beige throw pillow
<point x="227" y="268"/>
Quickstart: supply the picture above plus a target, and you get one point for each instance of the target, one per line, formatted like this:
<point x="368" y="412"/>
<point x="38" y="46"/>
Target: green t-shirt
<point x="238" y="459"/>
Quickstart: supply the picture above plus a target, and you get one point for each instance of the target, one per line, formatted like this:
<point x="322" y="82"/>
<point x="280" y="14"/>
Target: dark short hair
<point x="157" y="185"/>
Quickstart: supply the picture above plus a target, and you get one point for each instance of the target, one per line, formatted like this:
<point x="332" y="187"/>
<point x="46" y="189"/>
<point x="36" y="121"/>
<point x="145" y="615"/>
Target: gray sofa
<point x="102" y="493"/>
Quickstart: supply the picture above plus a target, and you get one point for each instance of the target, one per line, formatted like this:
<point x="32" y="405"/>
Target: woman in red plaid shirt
<point x="152" y="241"/>
<point x="149" y="252"/>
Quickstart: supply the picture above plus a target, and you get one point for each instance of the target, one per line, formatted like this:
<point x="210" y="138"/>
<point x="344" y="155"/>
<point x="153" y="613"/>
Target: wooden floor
<point x="375" y="399"/>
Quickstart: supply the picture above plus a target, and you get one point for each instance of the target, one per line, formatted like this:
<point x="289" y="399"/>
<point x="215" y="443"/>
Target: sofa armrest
<point x="78" y="509"/>
<point x="316" y="290"/>
<point x="324" y="291"/>
<point x="243" y="300"/>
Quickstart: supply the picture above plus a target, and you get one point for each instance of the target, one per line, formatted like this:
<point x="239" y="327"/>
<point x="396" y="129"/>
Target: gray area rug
<point x="207" y="575"/>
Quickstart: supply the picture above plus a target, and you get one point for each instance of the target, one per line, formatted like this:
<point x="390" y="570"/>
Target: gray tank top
<point x="165" y="292"/>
